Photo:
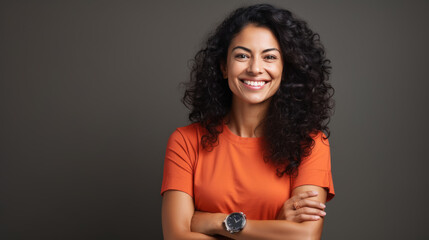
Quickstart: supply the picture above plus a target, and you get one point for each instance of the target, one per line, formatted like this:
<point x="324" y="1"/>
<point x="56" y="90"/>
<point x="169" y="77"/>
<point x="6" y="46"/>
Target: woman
<point x="255" y="163"/>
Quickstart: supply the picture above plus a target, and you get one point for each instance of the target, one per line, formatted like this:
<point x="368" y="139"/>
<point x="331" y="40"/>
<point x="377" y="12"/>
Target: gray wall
<point x="90" y="93"/>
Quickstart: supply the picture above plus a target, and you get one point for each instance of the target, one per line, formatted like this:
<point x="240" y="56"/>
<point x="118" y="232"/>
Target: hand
<point x="300" y="209"/>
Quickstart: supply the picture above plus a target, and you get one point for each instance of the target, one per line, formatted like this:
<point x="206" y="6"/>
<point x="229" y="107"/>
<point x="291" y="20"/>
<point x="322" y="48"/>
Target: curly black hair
<point x="301" y="107"/>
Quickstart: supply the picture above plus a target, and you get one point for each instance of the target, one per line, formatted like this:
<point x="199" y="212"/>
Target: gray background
<point x="90" y="93"/>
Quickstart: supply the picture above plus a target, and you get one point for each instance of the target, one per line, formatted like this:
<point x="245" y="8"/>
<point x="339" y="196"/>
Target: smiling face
<point x="254" y="65"/>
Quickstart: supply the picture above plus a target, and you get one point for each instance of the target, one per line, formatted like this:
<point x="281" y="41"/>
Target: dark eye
<point x="241" y="55"/>
<point x="271" y="57"/>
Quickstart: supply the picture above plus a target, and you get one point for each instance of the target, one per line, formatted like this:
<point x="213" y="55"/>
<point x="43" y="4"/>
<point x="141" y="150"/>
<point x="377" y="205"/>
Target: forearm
<point x="274" y="229"/>
<point x="211" y="224"/>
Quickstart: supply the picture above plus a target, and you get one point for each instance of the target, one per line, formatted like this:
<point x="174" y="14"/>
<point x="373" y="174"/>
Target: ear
<point x="224" y="69"/>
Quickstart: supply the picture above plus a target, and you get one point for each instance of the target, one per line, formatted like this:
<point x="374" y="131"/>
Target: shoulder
<point x="320" y="152"/>
<point x="320" y="140"/>
<point x="190" y="132"/>
<point x="187" y="137"/>
<point x="315" y="169"/>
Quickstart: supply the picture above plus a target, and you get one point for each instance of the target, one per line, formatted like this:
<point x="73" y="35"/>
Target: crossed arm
<point x="181" y="221"/>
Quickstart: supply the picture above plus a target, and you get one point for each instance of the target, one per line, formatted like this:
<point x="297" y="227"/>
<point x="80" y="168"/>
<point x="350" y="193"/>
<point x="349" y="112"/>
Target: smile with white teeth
<point x="254" y="83"/>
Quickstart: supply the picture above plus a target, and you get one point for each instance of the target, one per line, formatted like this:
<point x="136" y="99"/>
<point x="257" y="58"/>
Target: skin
<point x="291" y="228"/>
<point x="252" y="55"/>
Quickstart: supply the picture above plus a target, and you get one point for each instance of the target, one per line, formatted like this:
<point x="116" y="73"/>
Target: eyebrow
<point x="248" y="50"/>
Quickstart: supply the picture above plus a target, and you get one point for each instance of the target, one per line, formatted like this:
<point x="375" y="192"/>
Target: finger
<point x="305" y="217"/>
<point x="306" y="195"/>
<point x="295" y="201"/>
<point x="303" y="195"/>
<point x="296" y="198"/>
<point x="310" y="211"/>
<point x="311" y="203"/>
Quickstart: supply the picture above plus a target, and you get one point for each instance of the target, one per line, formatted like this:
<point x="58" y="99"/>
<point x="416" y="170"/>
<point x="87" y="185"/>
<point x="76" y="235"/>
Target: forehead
<point x="255" y="37"/>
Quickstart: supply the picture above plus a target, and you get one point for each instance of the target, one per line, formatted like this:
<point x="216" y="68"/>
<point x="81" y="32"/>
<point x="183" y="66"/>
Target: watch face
<point x="235" y="221"/>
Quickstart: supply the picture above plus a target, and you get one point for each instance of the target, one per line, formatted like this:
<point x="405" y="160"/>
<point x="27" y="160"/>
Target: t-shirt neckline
<point x="243" y="141"/>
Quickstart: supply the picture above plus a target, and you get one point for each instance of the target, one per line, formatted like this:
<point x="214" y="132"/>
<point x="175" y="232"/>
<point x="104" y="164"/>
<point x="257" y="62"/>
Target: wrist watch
<point x="235" y="222"/>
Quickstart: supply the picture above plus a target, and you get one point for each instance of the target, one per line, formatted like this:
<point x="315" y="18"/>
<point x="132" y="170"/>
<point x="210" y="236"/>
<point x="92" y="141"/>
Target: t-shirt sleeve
<point x="316" y="168"/>
<point x="178" y="165"/>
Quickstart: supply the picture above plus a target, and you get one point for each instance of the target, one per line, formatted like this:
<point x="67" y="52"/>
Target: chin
<point x="256" y="100"/>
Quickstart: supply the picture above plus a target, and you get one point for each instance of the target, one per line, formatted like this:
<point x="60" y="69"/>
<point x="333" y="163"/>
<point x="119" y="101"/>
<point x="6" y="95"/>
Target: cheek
<point x="278" y="80"/>
<point x="232" y="85"/>
<point x="276" y="71"/>
<point x="277" y="86"/>
<point x="235" y="69"/>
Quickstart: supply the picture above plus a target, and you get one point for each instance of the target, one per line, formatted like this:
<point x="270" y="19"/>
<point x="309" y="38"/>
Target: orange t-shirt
<point x="233" y="177"/>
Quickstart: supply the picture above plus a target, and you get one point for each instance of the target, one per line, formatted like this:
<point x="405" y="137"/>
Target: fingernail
<point x="316" y="217"/>
<point x="322" y="205"/>
<point x="323" y="213"/>
<point x="315" y="192"/>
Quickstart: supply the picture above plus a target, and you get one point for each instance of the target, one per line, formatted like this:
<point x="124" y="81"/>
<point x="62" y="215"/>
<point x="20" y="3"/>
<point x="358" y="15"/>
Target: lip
<point x="255" y="80"/>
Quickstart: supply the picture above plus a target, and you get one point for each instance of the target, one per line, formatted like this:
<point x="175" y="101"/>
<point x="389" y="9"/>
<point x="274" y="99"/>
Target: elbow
<point x="173" y="237"/>
<point x="301" y="231"/>
<point x="312" y="233"/>
<point x="314" y="237"/>
<point x="308" y="235"/>
<point x="177" y="236"/>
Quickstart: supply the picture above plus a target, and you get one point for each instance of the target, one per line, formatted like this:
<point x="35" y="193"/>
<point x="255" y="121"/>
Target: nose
<point x="255" y="66"/>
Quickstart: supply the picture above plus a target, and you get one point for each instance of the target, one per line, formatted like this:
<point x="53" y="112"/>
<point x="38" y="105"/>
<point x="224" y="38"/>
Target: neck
<point x="245" y="119"/>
